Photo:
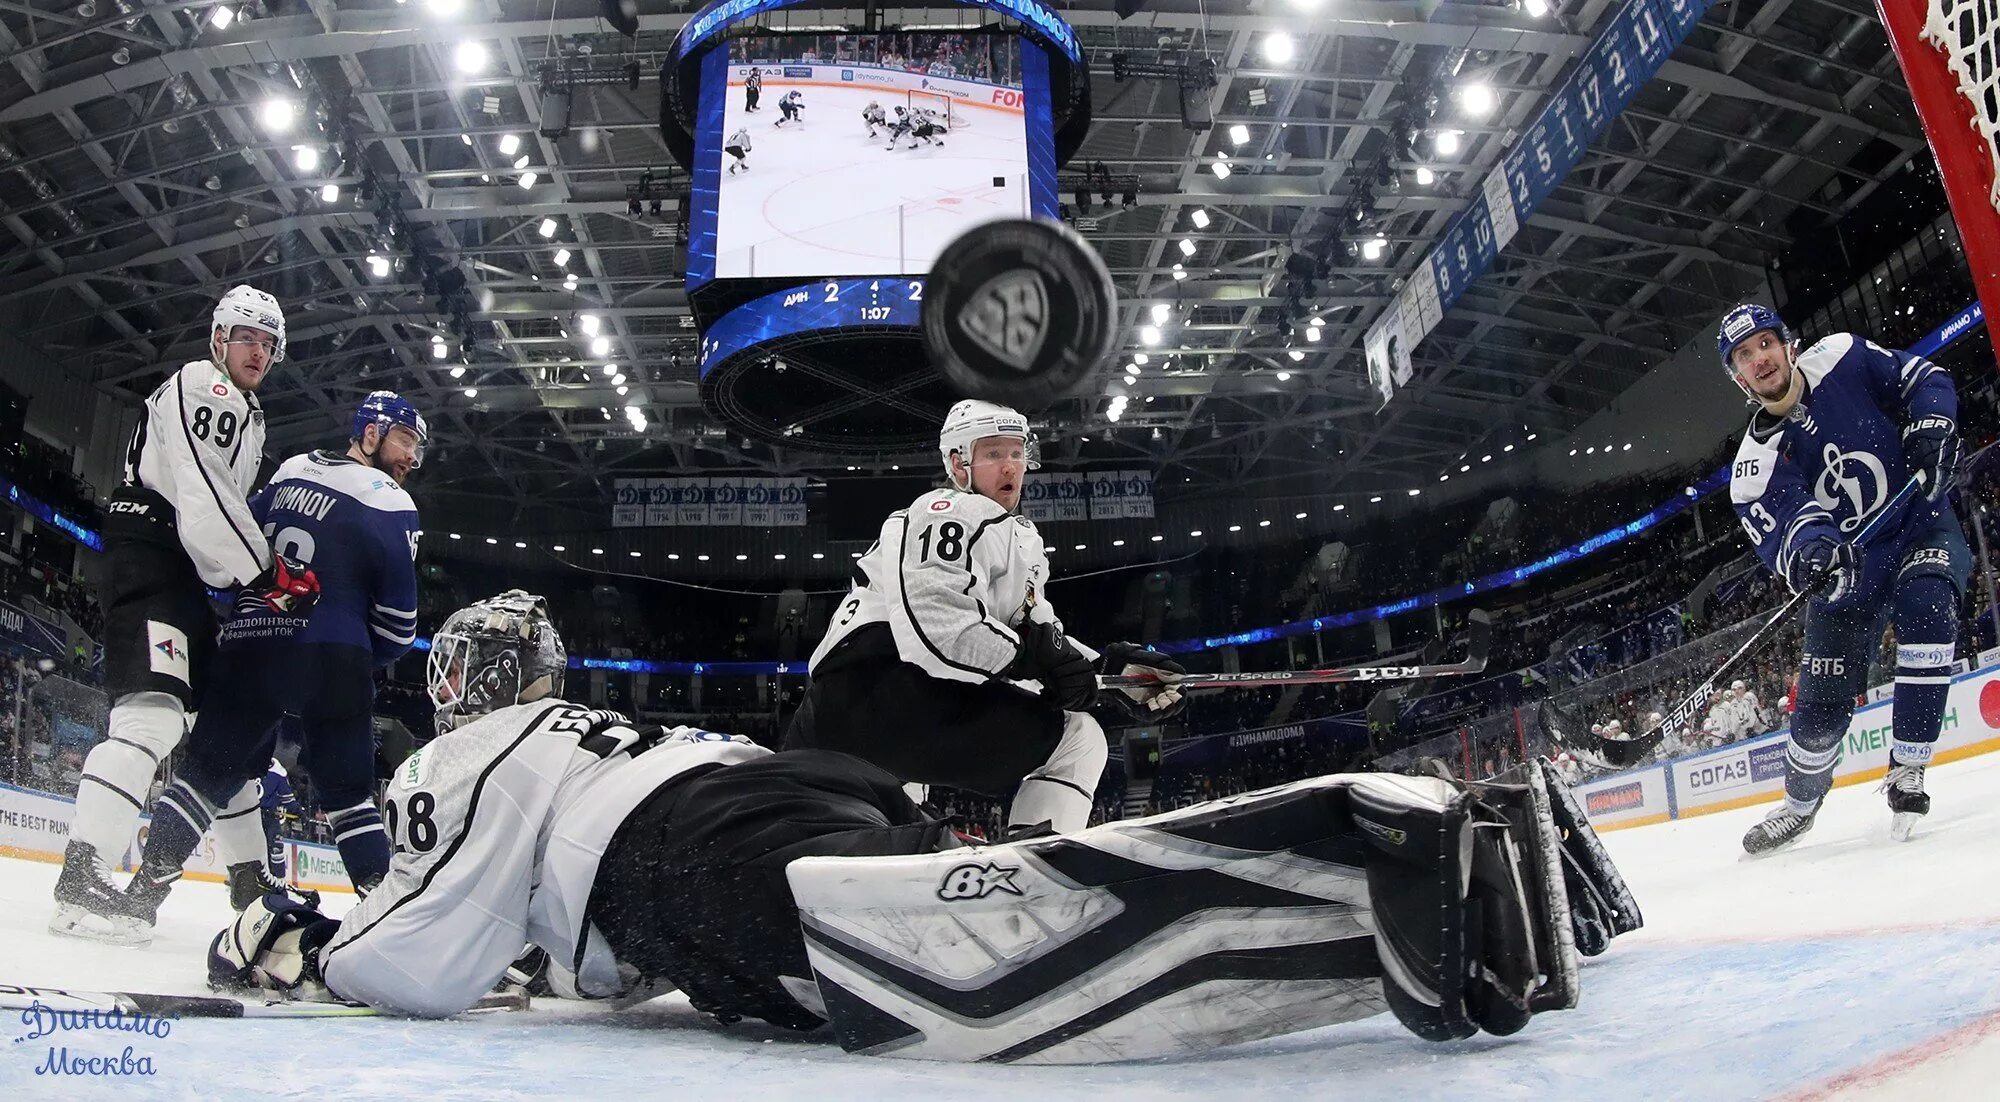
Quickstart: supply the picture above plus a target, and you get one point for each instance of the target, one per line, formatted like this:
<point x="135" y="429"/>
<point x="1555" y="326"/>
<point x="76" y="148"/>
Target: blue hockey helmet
<point x="1739" y="324"/>
<point x="387" y="409"/>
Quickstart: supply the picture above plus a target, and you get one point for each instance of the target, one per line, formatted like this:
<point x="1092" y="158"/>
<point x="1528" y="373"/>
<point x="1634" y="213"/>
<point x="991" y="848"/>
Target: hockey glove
<point x="1047" y="656"/>
<point x="1149" y="702"/>
<point x="1930" y="445"/>
<point x="1829" y="565"/>
<point x="274" y="946"/>
<point x="288" y="588"/>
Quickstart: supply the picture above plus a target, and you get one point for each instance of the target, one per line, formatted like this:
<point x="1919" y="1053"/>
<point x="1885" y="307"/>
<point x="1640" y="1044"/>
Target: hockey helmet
<point x="498" y="652"/>
<point x="246" y="305"/>
<point x="900" y="111"/>
<point x="972" y="420"/>
<point x="1742" y="323"/>
<point x="386" y="409"/>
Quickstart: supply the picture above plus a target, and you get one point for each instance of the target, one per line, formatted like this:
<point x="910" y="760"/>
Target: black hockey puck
<point x="1018" y="312"/>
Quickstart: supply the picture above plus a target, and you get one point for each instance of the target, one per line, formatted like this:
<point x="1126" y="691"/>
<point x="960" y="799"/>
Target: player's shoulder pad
<point x="1750" y="474"/>
<point x="1826" y="354"/>
<point x="359" y="481"/>
<point x="203" y="379"/>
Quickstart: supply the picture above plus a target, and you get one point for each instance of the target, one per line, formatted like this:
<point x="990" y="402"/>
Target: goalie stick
<point x="128" y="1003"/>
<point x="1569" y="729"/>
<point x="1476" y="651"/>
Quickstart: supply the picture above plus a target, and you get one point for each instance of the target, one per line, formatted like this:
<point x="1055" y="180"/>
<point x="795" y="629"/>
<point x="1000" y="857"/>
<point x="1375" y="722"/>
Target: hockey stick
<point x="1623" y="752"/>
<point x="1477" y="649"/>
<point x="129" y="1003"/>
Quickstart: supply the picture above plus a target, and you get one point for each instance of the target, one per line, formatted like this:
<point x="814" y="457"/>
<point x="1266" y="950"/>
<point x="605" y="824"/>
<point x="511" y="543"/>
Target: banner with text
<point x="1088" y="495"/>
<point x="756" y="501"/>
<point x="1636" y="42"/>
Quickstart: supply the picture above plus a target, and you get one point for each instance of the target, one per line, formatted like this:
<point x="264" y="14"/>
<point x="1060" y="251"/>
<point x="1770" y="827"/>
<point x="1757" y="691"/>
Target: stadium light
<point x="1373" y="248"/>
<point x="1239" y="134"/>
<point x="548" y="228"/>
<point x="1425" y="177"/>
<point x="610" y="370"/>
<point x="378" y="265"/>
<point x="437" y="350"/>
<point x="445" y="7"/>
<point x="1279" y="48"/>
<point x="1284" y="376"/>
<point x="1199" y="218"/>
<point x="1446" y="142"/>
<point x="1149" y="335"/>
<point x="472" y="392"/>
<point x="458" y="372"/>
<point x="510" y="144"/>
<point x="1179" y="273"/>
<point x="1161" y="312"/>
<point x="222" y="17"/>
<point x="1295" y="354"/>
<point x="1141" y="359"/>
<point x="470" y="57"/>
<point x="601" y="346"/>
<point x="562" y="257"/>
<point x="521" y="162"/>
<point x="330" y="193"/>
<point x="589" y="324"/>
<point x="306" y="157"/>
<point x="1478" y="99"/>
<point x="528" y="180"/>
<point x="1187" y="247"/>
<point x="1535" y="8"/>
<point x="1312" y="332"/>
<point x="277" y="114"/>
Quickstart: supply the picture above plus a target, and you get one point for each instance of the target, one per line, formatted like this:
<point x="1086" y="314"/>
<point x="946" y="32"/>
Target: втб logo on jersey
<point x="1858" y="478"/>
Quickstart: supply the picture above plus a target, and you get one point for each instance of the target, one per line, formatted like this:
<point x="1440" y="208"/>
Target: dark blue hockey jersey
<point x="278" y="794"/>
<point x="1837" y="457"/>
<point x="358" y="531"/>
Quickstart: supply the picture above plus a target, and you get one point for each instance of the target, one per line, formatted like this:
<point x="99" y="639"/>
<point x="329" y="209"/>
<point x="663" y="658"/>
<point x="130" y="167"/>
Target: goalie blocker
<point x="1458" y="908"/>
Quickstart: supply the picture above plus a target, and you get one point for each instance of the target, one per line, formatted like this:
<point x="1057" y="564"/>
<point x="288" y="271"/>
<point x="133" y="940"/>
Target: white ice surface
<point x="1848" y="967"/>
<point x="825" y="198"/>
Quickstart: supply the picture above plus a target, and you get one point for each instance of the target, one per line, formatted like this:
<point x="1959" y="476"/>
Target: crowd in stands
<point x="974" y="56"/>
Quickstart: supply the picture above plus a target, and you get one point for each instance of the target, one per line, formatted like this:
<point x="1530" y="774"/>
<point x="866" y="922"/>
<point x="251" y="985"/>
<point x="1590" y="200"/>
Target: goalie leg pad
<point x="1601" y="905"/>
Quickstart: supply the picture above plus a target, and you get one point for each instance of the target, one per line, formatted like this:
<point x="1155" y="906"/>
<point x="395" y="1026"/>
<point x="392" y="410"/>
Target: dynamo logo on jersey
<point x="1857" y="477"/>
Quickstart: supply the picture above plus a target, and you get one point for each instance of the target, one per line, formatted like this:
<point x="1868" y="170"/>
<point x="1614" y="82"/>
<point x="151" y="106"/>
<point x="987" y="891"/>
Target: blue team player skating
<point x="1839" y="430"/>
<point x="346" y="517"/>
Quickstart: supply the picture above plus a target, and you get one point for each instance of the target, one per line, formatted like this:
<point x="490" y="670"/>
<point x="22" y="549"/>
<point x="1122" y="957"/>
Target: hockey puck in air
<point x="1018" y="312"/>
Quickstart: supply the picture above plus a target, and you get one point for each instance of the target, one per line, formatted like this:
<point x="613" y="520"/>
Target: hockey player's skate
<point x="1778" y="829"/>
<point x="89" y="904"/>
<point x="1908" y="802"/>
<point x="250" y="881"/>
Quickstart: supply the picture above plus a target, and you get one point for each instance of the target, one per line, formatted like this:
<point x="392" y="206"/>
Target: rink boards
<point x="35" y="826"/>
<point x="1753" y="771"/>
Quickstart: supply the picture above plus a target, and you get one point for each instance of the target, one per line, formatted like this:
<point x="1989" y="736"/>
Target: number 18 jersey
<point x="952" y="576"/>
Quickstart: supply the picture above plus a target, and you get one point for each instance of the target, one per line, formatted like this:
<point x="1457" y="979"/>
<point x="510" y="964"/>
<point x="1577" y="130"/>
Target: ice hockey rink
<point x="825" y="198"/>
<point x="1849" y="967"/>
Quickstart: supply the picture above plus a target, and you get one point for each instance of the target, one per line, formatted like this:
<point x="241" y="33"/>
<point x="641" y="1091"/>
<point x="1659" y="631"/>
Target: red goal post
<point x="940" y="104"/>
<point x="1947" y="50"/>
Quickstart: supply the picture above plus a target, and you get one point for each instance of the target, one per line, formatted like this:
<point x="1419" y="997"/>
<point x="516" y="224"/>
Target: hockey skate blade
<point x="1904" y="824"/>
<point x="71" y="920"/>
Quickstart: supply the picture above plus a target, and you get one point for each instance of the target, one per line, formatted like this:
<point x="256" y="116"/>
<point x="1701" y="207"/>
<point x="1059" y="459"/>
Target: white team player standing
<point x="178" y="525"/>
<point x="873" y="117"/>
<point x="948" y="610"/>
<point x="738" y="147"/>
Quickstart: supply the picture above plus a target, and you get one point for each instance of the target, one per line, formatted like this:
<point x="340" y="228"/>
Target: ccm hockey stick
<point x="132" y="1003"/>
<point x="1478" y="646"/>
<point x="1623" y="752"/>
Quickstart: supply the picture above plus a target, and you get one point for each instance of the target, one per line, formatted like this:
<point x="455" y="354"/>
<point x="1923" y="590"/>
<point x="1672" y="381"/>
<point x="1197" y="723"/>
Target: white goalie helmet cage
<point x="501" y="651"/>
<point x="972" y="420"/>
<point x="246" y="305"/>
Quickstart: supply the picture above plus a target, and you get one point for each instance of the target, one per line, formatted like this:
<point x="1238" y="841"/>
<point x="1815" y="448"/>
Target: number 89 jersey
<point x="498" y="827"/>
<point x="952" y="576"/>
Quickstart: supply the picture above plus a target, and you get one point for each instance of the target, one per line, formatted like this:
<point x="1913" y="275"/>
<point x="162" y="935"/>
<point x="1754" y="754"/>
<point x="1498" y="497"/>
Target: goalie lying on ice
<point x="805" y="888"/>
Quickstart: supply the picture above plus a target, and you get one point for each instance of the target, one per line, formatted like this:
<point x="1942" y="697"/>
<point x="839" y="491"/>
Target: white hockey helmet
<point x="972" y="420"/>
<point x="246" y="305"/>
<point x="501" y="651"/>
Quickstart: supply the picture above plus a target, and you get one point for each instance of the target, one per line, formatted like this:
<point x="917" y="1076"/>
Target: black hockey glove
<point x="1160" y="701"/>
<point x="1930" y="445"/>
<point x="273" y="945"/>
<point x="1827" y="563"/>
<point x="1047" y="656"/>
<point x="287" y="587"/>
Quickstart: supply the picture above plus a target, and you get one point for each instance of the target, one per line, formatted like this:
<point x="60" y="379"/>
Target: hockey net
<point x="941" y="105"/>
<point x="1949" y="55"/>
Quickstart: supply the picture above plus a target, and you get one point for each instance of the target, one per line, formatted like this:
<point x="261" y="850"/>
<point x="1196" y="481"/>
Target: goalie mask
<point x="499" y="652"/>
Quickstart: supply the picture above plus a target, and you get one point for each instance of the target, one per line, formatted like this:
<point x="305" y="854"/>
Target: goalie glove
<point x="272" y="946"/>
<point x="1149" y="702"/>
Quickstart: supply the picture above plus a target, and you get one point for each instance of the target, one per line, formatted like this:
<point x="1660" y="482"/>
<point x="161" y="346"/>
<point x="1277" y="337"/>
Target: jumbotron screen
<point x="898" y="144"/>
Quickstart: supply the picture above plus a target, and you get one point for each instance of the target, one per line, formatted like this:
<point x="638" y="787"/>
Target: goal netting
<point x="1965" y="32"/>
<point x="941" y="105"/>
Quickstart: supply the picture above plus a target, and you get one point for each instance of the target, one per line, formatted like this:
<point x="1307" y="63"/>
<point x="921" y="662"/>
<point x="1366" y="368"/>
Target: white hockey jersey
<point x="199" y="447"/>
<point x="498" y="828"/>
<point x="954" y="576"/>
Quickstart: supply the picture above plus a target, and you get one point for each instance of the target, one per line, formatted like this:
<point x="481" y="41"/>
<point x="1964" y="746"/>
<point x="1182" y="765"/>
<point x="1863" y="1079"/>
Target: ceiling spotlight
<point x="470" y="57"/>
<point x="379" y="265"/>
<point x="1221" y="169"/>
<point x="569" y="284"/>
<point x="1312" y="332"/>
<point x="472" y="392"/>
<point x="1278" y="48"/>
<point x="510" y="144"/>
<point x="1425" y="177"/>
<point x="600" y="346"/>
<point x="1239" y="134"/>
<point x="444" y="7"/>
<point x="618" y="381"/>
<point x="528" y="180"/>
<point x="520" y="162"/>
<point x="1535" y="8"/>
<point x="1295" y="354"/>
<point x="437" y="350"/>
<point x="305" y="157"/>
<point x="1161" y="312"/>
<point x="458" y="372"/>
<point x="562" y="257"/>
<point x="1179" y="273"/>
<point x="1478" y="99"/>
<point x="330" y="193"/>
<point x="1187" y="247"/>
<point x="548" y="228"/>
<point x="1446" y="142"/>
<point x="1373" y="248"/>
<point x="1141" y="359"/>
<point x="1199" y="218"/>
<point x="1149" y="335"/>
<point x="277" y="114"/>
<point x="610" y="370"/>
<point x="1284" y="376"/>
<point x="622" y="389"/>
<point x="589" y="323"/>
<point x="222" y="17"/>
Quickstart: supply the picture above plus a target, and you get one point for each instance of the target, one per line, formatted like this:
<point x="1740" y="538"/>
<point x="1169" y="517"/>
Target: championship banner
<point x="1098" y="495"/>
<point x="660" y="503"/>
<point x="628" y="502"/>
<point x="735" y="500"/>
<point x="1636" y="42"/>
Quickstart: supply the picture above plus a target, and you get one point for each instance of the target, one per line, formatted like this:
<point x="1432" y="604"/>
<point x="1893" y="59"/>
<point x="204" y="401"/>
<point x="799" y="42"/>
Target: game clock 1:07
<point x="815" y="307"/>
<point x="867" y="300"/>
